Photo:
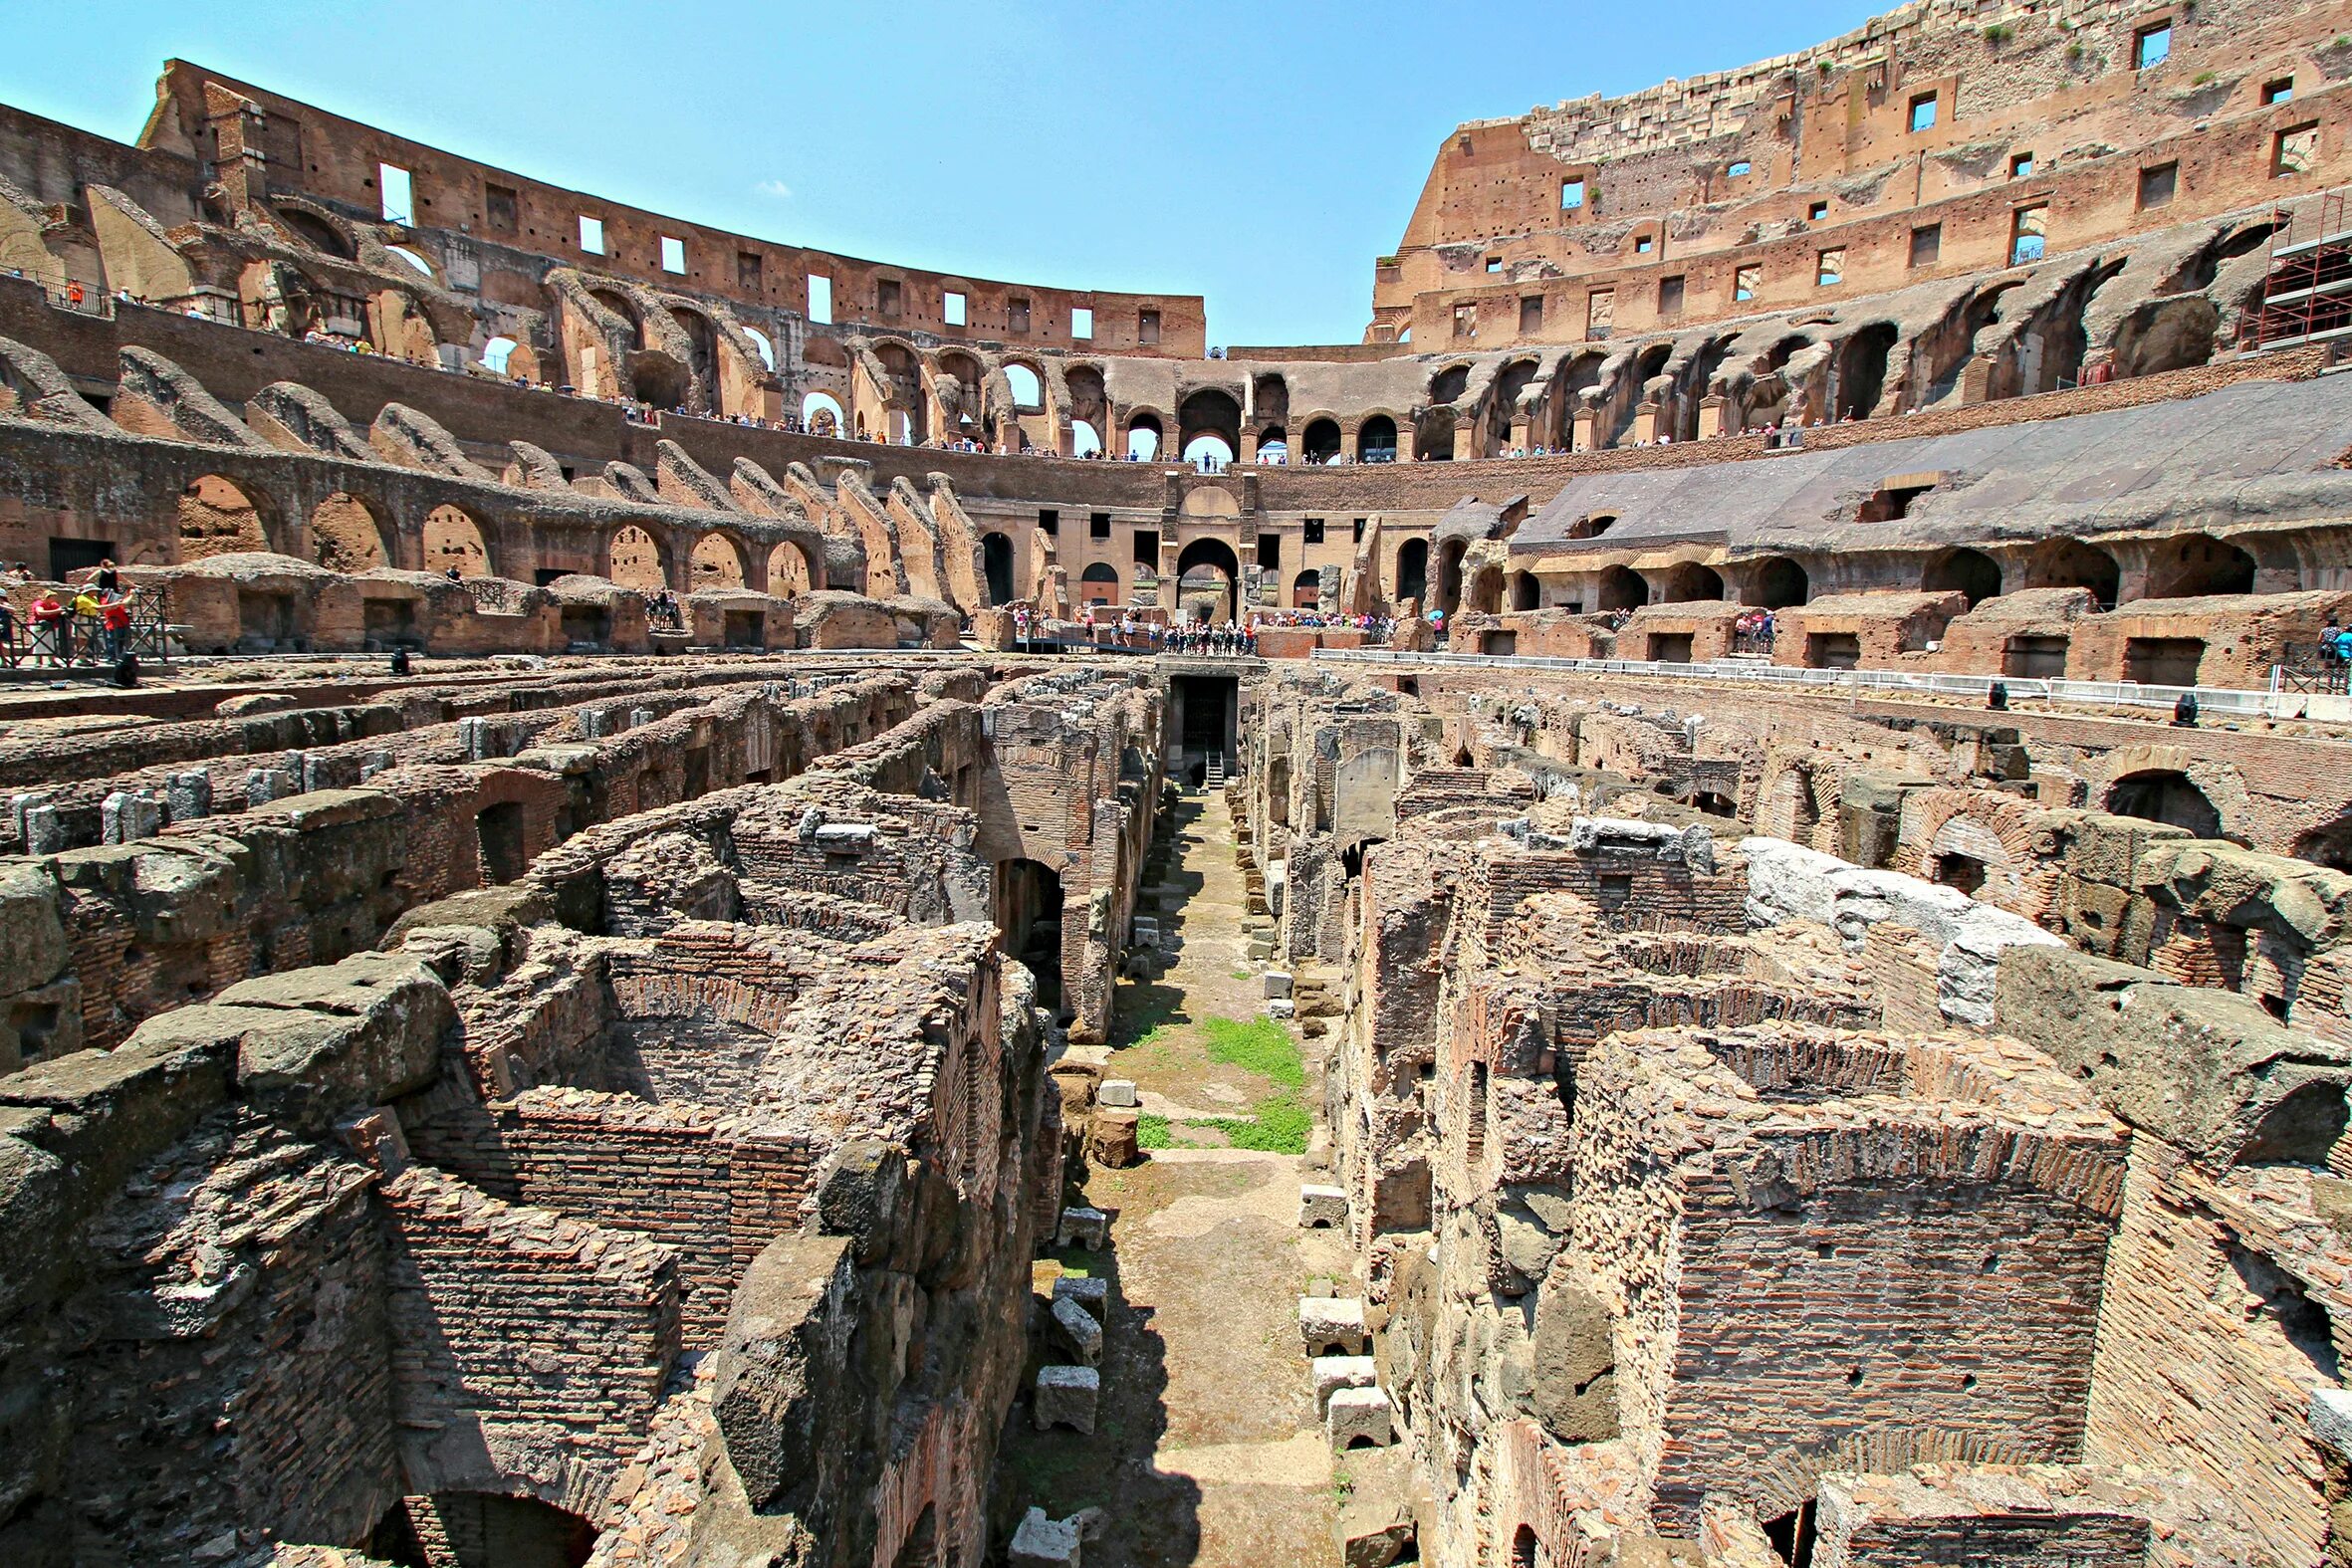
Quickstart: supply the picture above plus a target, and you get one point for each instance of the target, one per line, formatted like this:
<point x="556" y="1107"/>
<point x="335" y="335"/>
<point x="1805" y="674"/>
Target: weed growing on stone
<point x="1151" y="1132"/>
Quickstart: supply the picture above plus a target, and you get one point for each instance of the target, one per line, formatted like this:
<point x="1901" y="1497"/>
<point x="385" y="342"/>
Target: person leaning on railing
<point x="51" y="632"/>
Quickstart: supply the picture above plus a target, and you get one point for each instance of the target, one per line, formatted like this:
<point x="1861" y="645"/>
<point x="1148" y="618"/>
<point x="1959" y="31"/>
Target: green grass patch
<point x="1261" y="1045"/>
<point x="1151" y="1132"/>
<point x="1277" y="1124"/>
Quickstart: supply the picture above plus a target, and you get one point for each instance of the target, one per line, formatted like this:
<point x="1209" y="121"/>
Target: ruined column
<point x="189" y="794"/>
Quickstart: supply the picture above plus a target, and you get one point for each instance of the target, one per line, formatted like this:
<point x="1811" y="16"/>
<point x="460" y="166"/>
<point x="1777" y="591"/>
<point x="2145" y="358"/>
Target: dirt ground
<point x="1205" y="1448"/>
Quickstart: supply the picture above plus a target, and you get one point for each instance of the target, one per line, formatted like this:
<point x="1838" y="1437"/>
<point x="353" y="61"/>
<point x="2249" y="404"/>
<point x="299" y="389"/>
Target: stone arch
<point x="789" y="570"/>
<point x="2165" y="795"/>
<point x="1375" y="439"/>
<point x="1449" y="382"/>
<point x="1027" y="385"/>
<point x="622" y="305"/>
<point x="1689" y="580"/>
<point x="1199" y="564"/>
<point x="1503" y="403"/>
<point x="2190" y="565"/>
<point x="1100" y="583"/>
<point x="2071" y="564"/>
<point x="217" y="517"/>
<point x="1971" y="574"/>
<point x="996" y="560"/>
<point x="702" y="353"/>
<point x="347" y="534"/>
<point x="2328" y="845"/>
<point x="1433" y="435"/>
<point x="715" y="562"/>
<point x="452" y="538"/>
<point x="315" y="231"/>
<point x="1526" y="592"/>
<point x="820" y="414"/>
<point x="1862" y="369"/>
<point x="1210" y="411"/>
<point x="1146" y="435"/>
<point x="1621" y="588"/>
<point x="635" y="559"/>
<point x="1318" y="443"/>
<point x="1778" y="584"/>
<point x="1307" y="589"/>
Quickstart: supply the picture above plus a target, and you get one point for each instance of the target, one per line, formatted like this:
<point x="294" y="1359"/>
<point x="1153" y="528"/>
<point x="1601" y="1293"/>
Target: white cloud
<point x="774" y="187"/>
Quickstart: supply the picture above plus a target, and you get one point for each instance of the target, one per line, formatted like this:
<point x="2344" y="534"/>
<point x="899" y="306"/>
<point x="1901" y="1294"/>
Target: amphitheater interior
<point x="734" y="905"/>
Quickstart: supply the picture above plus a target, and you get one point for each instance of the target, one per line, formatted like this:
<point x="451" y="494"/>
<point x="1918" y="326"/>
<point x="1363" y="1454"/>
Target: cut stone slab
<point x="1333" y="1373"/>
<point x="1321" y="1206"/>
<point x="1278" y="985"/>
<point x="1358" y="1416"/>
<point x="1042" y="1542"/>
<point x="1282" y="1007"/>
<point x="1090" y="1291"/>
<point x="1119" y="1092"/>
<point x="1087" y="1227"/>
<point x="1079" y="1331"/>
<point x="1332" y="1326"/>
<point x="1067" y="1396"/>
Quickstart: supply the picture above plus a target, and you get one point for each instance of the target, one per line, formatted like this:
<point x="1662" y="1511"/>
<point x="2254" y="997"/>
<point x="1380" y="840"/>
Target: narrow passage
<point x="1207" y="1449"/>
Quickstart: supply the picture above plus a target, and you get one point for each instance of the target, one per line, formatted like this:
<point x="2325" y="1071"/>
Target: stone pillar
<point x="1581" y="438"/>
<point x="125" y="817"/>
<point x="264" y="784"/>
<point x="1645" y="424"/>
<point x="314" y="772"/>
<point x="45" y="832"/>
<point x="1711" y="416"/>
<point x="1465" y="438"/>
<point x="189" y="795"/>
<point x="641" y="717"/>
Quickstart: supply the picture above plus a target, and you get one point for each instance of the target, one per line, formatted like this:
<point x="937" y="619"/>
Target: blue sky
<point x="1258" y="153"/>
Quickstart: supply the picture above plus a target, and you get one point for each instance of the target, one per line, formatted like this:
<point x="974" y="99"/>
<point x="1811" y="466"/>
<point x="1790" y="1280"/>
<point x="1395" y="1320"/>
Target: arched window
<point x="1100" y="583"/>
<point x="1971" y="574"/>
<point x="412" y="259"/>
<point x="1208" y="452"/>
<point x="715" y="564"/>
<point x="1144" y="438"/>
<point x="453" y="539"/>
<point x="1084" y="439"/>
<point x="820" y="414"/>
<point x="1375" y="440"/>
<point x="1028" y="394"/>
<point x="218" y="519"/>
<point x="345" y="535"/>
<point x="1322" y="441"/>
<point x="495" y="352"/>
<point x="760" y="341"/>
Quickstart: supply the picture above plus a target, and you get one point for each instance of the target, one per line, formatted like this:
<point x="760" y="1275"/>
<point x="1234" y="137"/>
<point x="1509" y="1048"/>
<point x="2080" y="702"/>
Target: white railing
<point x="2215" y="700"/>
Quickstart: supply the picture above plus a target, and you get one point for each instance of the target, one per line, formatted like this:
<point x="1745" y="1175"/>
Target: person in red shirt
<point x="47" y="619"/>
<point x="114" y="616"/>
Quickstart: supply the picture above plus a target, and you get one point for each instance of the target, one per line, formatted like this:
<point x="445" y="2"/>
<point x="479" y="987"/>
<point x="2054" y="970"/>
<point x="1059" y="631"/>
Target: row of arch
<point x="348" y="533"/>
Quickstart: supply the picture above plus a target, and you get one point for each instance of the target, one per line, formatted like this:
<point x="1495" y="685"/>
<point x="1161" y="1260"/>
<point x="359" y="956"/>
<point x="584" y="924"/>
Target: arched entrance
<point x="1779" y="583"/>
<point x="1100" y="583"/>
<point x="454" y="540"/>
<point x="636" y="560"/>
<point x="1208" y="581"/>
<point x="2194" y="565"/>
<point x="1526" y="592"/>
<point x="1692" y="580"/>
<point x="345" y="535"/>
<point x="1972" y="574"/>
<point x="715" y="564"/>
<point x="788" y="571"/>
<point x="1320" y="444"/>
<point x="2165" y="795"/>
<point x="996" y="560"/>
<point x="1375" y="440"/>
<point x="218" y="519"/>
<point x="820" y="414"/>
<point x="1144" y="437"/>
<point x="1307" y="589"/>
<point x="1621" y="588"/>
<point x="2070" y="563"/>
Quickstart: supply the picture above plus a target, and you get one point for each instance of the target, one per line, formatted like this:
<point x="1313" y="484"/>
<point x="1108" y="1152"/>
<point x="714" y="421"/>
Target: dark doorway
<point x="499" y="830"/>
<point x="996" y="560"/>
<point x="1205" y="719"/>
<point x="69" y="556"/>
<point x="1412" y="570"/>
<point x="472" y="1529"/>
<point x="1028" y="913"/>
<point x="1972" y="574"/>
<point x="2161" y="796"/>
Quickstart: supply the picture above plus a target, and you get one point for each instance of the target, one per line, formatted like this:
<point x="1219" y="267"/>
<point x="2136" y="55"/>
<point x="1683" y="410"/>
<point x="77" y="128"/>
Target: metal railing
<point x="2219" y="700"/>
<point x="2311" y="667"/>
<point x="83" y="640"/>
